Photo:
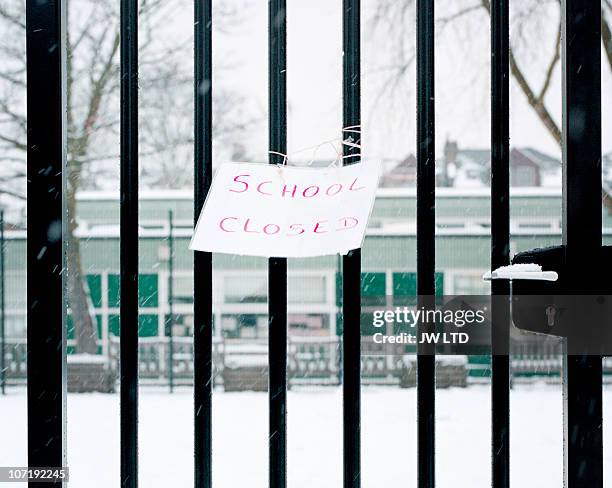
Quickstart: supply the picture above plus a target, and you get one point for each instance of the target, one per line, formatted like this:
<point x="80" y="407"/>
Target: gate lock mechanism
<point x="547" y="297"/>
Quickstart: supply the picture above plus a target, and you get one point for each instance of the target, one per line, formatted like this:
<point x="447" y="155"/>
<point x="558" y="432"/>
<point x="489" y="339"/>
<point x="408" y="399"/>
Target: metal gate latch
<point x="549" y="298"/>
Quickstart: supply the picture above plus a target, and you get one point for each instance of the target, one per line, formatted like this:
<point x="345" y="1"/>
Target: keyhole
<point x="550" y="313"/>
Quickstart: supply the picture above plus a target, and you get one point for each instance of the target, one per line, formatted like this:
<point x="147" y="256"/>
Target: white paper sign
<point x="286" y="211"/>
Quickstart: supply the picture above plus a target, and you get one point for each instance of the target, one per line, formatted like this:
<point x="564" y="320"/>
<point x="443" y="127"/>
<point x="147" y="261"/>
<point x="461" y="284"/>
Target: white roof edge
<point x="184" y="194"/>
<point x="443" y="192"/>
<point x="183" y="232"/>
<point x="527" y="191"/>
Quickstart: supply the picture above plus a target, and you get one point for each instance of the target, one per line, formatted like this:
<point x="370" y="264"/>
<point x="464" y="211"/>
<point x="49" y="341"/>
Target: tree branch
<point x="81" y="143"/>
<point x="12" y="193"/>
<point x="13" y="81"/>
<point x="13" y="142"/>
<point x="14" y="160"/>
<point x="551" y="66"/>
<point x="457" y="15"/>
<point x="11" y="18"/>
<point x="534" y="101"/>
<point x="18" y="119"/>
<point x="606" y="35"/>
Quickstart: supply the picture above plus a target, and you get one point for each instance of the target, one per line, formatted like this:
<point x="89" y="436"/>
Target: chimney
<point x="450" y="159"/>
<point x="450" y="152"/>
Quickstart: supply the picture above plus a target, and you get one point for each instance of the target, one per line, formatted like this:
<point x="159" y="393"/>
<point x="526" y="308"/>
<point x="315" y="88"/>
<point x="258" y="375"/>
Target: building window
<point x="182" y="324"/>
<point x="183" y="289"/>
<point x="307" y="289"/>
<point x="308" y="324"/>
<point x="246" y="289"/>
<point x="246" y="325"/>
<point x="15" y="326"/>
<point x="470" y="284"/>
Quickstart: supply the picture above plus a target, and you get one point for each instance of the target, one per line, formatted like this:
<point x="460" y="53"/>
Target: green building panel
<point x="148" y="325"/>
<point x="373" y="288"/>
<point x="94" y="285"/>
<point x="374" y="294"/>
<point x="148" y="293"/>
<point x="405" y="284"/>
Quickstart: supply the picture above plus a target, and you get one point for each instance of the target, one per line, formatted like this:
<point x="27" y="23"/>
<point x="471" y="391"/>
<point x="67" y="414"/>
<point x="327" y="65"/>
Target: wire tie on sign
<point x="336" y="144"/>
<point x="285" y="157"/>
<point x="350" y="142"/>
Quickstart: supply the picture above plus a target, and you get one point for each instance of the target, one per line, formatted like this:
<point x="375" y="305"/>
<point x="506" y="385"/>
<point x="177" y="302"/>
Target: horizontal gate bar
<point x="129" y="243"/>
<point x="582" y="385"/>
<point x="46" y="137"/>
<point x="277" y="267"/>
<point x="426" y="222"/>
<point x="351" y="263"/>
<point x="500" y="242"/>
<point x="202" y="261"/>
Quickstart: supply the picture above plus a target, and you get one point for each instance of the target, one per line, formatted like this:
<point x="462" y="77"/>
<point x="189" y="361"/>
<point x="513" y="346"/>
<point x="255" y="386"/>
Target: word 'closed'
<point x="286" y="211"/>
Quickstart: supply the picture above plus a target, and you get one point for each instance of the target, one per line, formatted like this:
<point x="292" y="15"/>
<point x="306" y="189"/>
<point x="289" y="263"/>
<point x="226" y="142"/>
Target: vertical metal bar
<point x="351" y="263"/>
<point x="171" y="300"/>
<point x="2" y="309"/>
<point x="426" y="182"/>
<point x="500" y="243"/>
<point x="339" y="302"/>
<point x="277" y="267"/>
<point x="129" y="243"/>
<point x="202" y="261"/>
<point x="582" y="385"/>
<point x="46" y="142"/>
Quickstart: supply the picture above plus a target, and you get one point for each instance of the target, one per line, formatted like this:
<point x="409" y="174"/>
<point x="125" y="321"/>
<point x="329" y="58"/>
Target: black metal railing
<point x="46" y="152"/>
<point x="351" y="263"/>
<point x="426" y="226"/>
<point x="46" y="94"/>
<point x="500" y="242"/>
<point x="277" y="267"/>
<point x="128" y="242"/>
<point x="202" y="262"/>
<point x="582" y="213"/>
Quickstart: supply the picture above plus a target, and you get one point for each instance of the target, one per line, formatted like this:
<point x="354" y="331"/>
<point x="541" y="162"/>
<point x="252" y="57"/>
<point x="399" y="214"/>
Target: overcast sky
<point x="314" y="83"/>
<point x="315" y="70"/>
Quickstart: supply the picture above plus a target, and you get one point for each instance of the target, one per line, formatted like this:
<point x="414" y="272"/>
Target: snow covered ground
<point x="315" y="438"/>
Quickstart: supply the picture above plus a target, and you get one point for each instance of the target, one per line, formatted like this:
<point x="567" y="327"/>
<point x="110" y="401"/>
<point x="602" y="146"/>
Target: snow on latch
<point x="523" y="271"/>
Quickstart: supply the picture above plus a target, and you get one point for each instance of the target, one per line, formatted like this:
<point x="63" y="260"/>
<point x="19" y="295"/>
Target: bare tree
<point x="169" y="139"/>
<point x="529" y="19"/>
<point x="93" y="112"/>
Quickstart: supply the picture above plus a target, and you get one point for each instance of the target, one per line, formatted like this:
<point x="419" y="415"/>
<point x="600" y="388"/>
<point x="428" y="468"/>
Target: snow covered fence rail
<point x="311" y="361"/>
<point x="314" y="361"/>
